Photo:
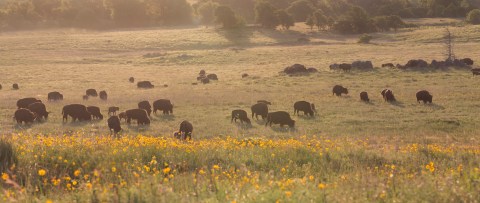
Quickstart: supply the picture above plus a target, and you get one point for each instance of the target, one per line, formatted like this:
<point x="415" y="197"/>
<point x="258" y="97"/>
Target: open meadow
<point x="350" y="151"/>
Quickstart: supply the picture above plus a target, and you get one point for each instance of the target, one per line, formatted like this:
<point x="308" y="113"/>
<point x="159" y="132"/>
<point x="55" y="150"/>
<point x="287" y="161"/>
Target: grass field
<point x="366" y="143"/>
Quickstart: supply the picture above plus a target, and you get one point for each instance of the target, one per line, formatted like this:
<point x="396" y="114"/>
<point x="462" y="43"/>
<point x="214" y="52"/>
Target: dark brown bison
<point x="424" y="96"/>
<point x="244" y="75"/>
<point x="240" y="114"/>
<point x="146" y="106"/>
<point x="24" y="115"/>
<point x="205" y="80"/>
<point x="265" y="102"/>
<point x="91" y="93"/>
<point x="39" y="109"/>
<point x="259" y="109"/>
<point x="185" y="131"/>
<point x="312" y="70"/>
<point x="388" y="65"/>
<point x="131" y="79"/>
<point x="388" y="95"/>
<point x="55" y="96"/>
<point x="475" y="71"/>
<point x="280" y="117"/>
<point x="76" y="111"/>
<point x="164" y="105"/>
<point x="295" y="69"/>
<point x="95" y="111"/>
<point x="85" y="97"/>
<point x="15" y="86"/>
<point x="467" y="61"/>
<point x="23" y="103"/>
<point x="339" y="90"/>
<point x="202" y="73"/>
<point x="114" y="124"/>
<point x="364" y="97"/>
<point x="212" y="76"/>
<point x="307" y="108"/>
<point x="113" y="110"/>
<point x="138" y="114"/>
<point x="345" y="67"/>
<point x="122" y="115"/>
<point x="103" y="95"/>
<point x="145" y="84"/>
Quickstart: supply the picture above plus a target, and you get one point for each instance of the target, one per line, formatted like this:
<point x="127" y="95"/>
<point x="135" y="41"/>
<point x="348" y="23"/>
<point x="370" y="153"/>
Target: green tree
<point x="225" y="16"/>
<point x="320" y="19"/>
<point x="206" y="11"/>
<point x="300" y="10"/>
<point x="286" y="20"/>
<point x="310" y="21"/>
<point x="473" y="17"/>
<point x="127" y="12"/>
<point x="265" y="15"/>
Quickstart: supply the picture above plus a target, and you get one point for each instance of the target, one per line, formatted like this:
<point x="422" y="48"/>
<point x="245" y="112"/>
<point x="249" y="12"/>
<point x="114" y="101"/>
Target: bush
<point x="365" y="39"/>
<point x="7" y="156"/>
<point x="473" y="17"/>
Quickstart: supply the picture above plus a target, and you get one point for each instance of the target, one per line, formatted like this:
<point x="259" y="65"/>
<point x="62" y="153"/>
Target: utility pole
<point x="449" y="45"/>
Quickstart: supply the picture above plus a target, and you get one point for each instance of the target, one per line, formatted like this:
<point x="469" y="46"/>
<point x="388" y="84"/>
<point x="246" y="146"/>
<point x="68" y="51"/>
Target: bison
<point x="388" y="95"/>
<point x="339" y="90"/>
<point x="185" y="131"/>
<point x="114" y="124"/>
<point x="113" y="110"/>
<point x="424" y="96"/>
<point x="475" y="71"/>
<point x="259" y="109"/>
<point x="122" y="115"/>
<point x="202" y="73"/>
<point x="295" y="69"/>
<point x="307" y="108"/>
<point x="95" y="111"/>
<point x="103" y="95"/>
<point x="212" y="76"/>
<point x="240" y="114"/>
<point x="345" y="67"/>
<point x="91" y="92"/>
<point x="164" y="105"/>
<point x="205" y="80"/>
<point x="146" y="106"/>
<point x="280" y="117"/>
<point x="131" y="79"/>
<point x="55" y="96"/>
<point x="138" y="114"/>
<point x="23" y="103"/>
<point x="23" y="115"/>
<point x="85" y="97"/>
<point x="39" y="109"/>
<point x="145" y="84"/>
<point x="244" y="75"/>
<point x="467" y="61"/>
<point x="364" y="97"/>
<point x="15" y="86"/>
<point x="76" y="111"/>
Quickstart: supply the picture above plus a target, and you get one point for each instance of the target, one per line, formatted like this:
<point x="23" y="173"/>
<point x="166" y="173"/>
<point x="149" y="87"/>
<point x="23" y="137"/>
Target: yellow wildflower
<point x="77" y="173"/>
<point x="166" y="170"/>
<point x="42" y="172"/>
<point x="288" y="193"/>
<point x="321" y="186"/>
<point x="5" y="176"/>
<point x="114" y="169"/>
<point x="216" y="167"/>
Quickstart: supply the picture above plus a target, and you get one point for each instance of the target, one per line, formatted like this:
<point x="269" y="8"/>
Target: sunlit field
<point x="350" y="151"/>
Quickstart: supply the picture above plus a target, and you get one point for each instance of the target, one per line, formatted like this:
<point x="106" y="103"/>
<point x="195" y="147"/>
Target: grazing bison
<point x="240" y="114"/>
<point x="388" y="65"/>
<point x="205" y="80"/>
<point x="364" y="97"/>
<point x="39" y="109"/>
<point x="85" y="97"/>
<point x="76" y="111"/>
<point x="334" y="66"/>
<point x="388" y="95"/>
<point x="103" y="95"/>
<point x="202" y="73"/>
<point x="146" y="106"/>
<point x="138" y="114"/>
<point x="424" y="96"/>
<point x="185" y="131"/>
<point x="339" y="90"/>
<point x="244" y="75"/>
<point x="114" y="124"/>
<point x="122" y="115"/>
<point x="475" y="71"/>
<point x="345" y="67"/>
<point x="307" y="108"/>
<point x="212" y="76"/>
<point x="95" y="111"/>
<point x="260" y="109"/>
<point x="55" y="96"/>
<point x="91" y="93"/>
<point x="131" y="79"/>
<point x="15" y="86"/>
<point x="164" y="105"/>
<point x="113" y="110"/>
<point x="23" y="103"/>
<point x="467" y="61"/>
<point x="24" y="115"/>
<point x="145" y="84"/>
<point x="280" y="117"/>
<point x="295" y="69"/>
<point x="265" y="102"/>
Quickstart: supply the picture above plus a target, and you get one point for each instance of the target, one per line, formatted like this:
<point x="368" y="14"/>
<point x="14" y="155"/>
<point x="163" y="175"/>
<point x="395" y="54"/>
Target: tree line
<point x="344" y="16"/>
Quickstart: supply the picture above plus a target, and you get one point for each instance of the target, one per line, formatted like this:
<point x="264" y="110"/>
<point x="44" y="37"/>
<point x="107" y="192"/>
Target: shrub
<point x="473" y="17"/>
<point x="365" y="39"/>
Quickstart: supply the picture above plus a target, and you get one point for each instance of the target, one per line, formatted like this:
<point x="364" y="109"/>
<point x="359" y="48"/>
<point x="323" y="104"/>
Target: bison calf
<point x="240" y="114"/>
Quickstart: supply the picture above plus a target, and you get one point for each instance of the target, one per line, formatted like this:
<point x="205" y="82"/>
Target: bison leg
<point x="129" y="120"/>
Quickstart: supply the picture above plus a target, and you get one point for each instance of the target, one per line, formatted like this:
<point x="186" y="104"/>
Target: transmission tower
<point x="448" y="40"/>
